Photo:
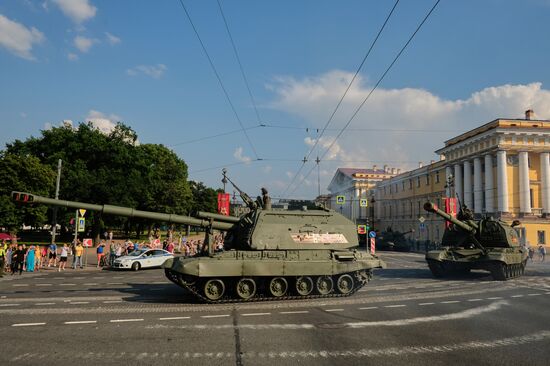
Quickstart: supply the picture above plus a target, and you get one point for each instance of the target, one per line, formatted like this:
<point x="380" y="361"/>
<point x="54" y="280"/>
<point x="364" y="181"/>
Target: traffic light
<point x="22" y="197"/>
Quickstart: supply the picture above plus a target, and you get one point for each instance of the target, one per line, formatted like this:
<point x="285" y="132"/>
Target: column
<point x="524" y="194"/>
<point x="458" y="181"/>
<point x="478" y="188"/>
<point x="468" y="184"/>
<point x="502" y="182"/>
<point x="448" y="173"/>
<point x="545" y="182"/>
<point x="489" y="184"/>
<point x="356" y="204"/>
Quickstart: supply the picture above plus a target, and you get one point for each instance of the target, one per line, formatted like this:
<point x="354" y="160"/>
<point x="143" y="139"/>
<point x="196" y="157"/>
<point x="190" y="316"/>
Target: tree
<point x="204" y="198"/>
<point x="23" y="173"/>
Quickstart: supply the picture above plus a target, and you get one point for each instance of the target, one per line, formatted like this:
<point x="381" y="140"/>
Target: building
<point x="355" y="185"/>
<point x="500" y="169"/>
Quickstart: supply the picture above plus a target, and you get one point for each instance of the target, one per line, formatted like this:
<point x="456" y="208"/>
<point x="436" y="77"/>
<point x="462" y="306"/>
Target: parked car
<point x="145" y="258"/>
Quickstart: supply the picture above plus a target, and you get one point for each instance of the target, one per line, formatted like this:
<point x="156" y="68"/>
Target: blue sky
<point x="140" y="62"/>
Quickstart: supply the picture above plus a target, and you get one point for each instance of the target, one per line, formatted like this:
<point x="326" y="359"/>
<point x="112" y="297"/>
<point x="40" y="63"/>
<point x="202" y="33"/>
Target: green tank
<point x="486" y="244"/>
<point x="394" y="240"/>
<point x="268" y="254"/>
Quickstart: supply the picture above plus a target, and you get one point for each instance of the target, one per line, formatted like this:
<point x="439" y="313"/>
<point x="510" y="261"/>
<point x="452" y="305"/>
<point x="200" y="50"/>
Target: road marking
<point x="517" y="295"/>
<point x="449" y="302"/>
<point x="472" y="300"/>
<point x="115" y="283"/>
<point x="27" y="324"/>
<point x="176" y="318"/>
<point x="20" y="285"/>
<point x="426" y="303"/>
<point x="295" y="312"/>
<point x="125" y="320"/>
<point x="255" y="314"/>
<point x="67" y="284"/>
<point x="333" y="310"/>
<point x="215" y="316"/>
<point x="112" y="301"/>
<point x="9" y="305"/>
<point x="79" y="302"/>
<point x="90" y="284"/>
<point x="43" y="284"/>
<point x="494" y="298"/>
<point x="395" y="306"/>
<point x="82" y="322"/>
<point x="44" y="303"/>
<point x="78" y="278"/>
<point x="99" y="278"/>
<point x="369" y="308"/>
<point x="160" y="283"/>
<point x="534" y="294"/>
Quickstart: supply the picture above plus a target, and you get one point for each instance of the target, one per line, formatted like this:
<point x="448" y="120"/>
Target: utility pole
<point x="54" y="226"/>
<point x="318" y="177"/>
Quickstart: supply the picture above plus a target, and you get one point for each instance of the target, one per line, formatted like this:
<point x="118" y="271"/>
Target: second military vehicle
<point x="486" y="244"/>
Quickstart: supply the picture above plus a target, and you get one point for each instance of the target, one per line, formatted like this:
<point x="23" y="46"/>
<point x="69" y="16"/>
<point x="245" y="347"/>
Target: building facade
<point x="500" y="169"/>
<point x="354" y="185"/>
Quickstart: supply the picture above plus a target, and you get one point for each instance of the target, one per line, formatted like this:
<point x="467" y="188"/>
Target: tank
<point x="394" y="240"/>
<point x="267" y="254"/>
<point x="486" y="244"/>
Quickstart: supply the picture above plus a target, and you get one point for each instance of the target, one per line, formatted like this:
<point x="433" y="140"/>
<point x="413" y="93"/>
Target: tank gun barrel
<point x="469" y="227"/>
<point x="29" y="198"/>
<point x="217" y="217"/>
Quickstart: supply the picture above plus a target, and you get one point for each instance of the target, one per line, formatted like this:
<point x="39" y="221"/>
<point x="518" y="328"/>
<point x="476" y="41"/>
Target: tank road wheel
<point x="324" y="285"/>
<point x="304" y="285"/>
<point x="214" y="289"/>
<point x="436" y="268"/>
<point x="498" y="271"/>
<point x="345" y="284"/>
<point x="278" y="286"/>
<point x="246" y="288"/>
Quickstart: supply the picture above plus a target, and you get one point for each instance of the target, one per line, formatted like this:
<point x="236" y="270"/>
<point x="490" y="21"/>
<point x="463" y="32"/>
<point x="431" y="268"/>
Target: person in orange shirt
<point x="78" y="255"/>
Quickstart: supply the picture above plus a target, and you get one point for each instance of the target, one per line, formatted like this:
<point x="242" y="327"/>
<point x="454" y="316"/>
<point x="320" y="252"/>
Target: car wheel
<point x="136" y="266"/>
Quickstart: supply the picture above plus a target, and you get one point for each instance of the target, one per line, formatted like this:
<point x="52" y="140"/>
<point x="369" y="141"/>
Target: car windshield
<point x="136" y="253"/>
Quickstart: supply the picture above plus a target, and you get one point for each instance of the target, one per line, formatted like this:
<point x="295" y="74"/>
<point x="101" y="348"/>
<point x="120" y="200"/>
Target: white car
<point x="144" y="258"/>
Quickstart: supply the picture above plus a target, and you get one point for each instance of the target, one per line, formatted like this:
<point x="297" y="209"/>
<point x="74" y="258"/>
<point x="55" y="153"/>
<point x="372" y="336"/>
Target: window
<point x="403" y="185"/>
<point x="427" y="179"/>
<point x="437" y="177"/>
<point x="410" y="184"/>
<point x="418" y="181"/>
<point x="541" y="237"/>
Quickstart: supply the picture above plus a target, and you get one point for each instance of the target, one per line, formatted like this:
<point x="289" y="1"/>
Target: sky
<point x="141" y="63"/>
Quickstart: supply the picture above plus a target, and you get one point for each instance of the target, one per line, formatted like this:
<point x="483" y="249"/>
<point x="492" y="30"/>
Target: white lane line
<point x="534" y="294"/>
<point x="112" y="301"/>
<point x="472" y="300"/>
<point x="67" y="284"/>
<point x="125" y="320"/>
<point x="176" y="318"/>
<point x="517" y="295"/>
<point x="20" y="285"/>
<point x="27" y="324"/>
<point x="215" y="316"/>
<point x="90" y="284"/>
<point x="450" y="302"/>
<point x="99" y="278"/>
<point x="494" y="298"/>
<point x="115" y="283"/>
<point x="9" y="305"/>
<point x="160" y="283"/>
<point x="255" y="314"/>
<point x="43" y="284"/>
<point x="426" y="303"/>
<point x="59" y="278"/>
<point x="79" y="302"/>
<point x="395" y="306"/>
<point x="333" y="310"/>
<point x="78" y="278"/>
<point x="295" y="312"/>
<point x="44" y="303"/>
<point x="369" y="308"/>
<point x="82" y="322"/>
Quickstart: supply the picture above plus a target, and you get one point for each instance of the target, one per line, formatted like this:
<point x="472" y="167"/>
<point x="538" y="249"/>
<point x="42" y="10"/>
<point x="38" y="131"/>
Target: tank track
<point x="503" y="272"/>
<point x="358" y="284"/>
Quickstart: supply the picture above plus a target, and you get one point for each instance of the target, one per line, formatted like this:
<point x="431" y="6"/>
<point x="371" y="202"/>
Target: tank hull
<point x="298" y="270"/>
<point x="502" y="263"/>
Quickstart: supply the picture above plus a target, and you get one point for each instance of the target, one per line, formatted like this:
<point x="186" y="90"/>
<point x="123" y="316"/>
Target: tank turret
<point x="467" y="244"/>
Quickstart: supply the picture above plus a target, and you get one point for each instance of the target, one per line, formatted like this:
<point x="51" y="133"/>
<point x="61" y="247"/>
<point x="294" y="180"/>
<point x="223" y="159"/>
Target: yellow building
<point x="500" y="169"/>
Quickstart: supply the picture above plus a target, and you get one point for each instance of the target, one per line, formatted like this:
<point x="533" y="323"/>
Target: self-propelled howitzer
<point x="267" y="254"/>
<point x="487" y="244"/>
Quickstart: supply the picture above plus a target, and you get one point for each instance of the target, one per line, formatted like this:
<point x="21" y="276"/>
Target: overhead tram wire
<point x="240" y="63"/>
<point x="199" y="139"/>
<point x="423" y="130"/>
<point x="343" y="96"/>
<point x="218" y="77"/>
<point x="371" y="91"/>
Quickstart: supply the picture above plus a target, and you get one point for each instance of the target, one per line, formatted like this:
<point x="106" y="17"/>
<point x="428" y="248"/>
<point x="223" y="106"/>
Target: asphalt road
<point x="403" y="317"/>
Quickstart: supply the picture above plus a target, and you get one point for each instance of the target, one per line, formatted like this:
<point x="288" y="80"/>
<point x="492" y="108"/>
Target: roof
<point x="351" y="171"/>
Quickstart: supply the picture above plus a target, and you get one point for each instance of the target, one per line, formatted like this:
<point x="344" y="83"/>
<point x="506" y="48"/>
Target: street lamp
<point x="372" y="202"/>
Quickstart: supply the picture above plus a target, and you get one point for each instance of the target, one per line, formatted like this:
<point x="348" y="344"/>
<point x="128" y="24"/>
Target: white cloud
<point x="18" y="39"/>
<point x="104" y="123"/>
<point x="406" y="124"/>
<point x="238" y="154"/>
<point x="23" y="115"/>
<point x="72" y="56"/>
<point x="154" y="71"/>
<point x="77" y="10"/>
<point x="84" y="43"/>
<point x="111" y="39"/>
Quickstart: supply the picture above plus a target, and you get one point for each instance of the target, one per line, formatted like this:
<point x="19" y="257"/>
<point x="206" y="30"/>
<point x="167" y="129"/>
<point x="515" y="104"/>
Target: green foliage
<point x="204" y="198"/>
<point x="23" y="173"/>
